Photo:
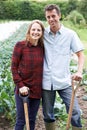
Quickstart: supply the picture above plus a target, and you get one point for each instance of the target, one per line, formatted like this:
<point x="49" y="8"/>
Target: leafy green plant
<point x="7" y="103"/>
<point x="83" y="8"/>
<point x="76" y="18"/>
<point x="84" y="80"/>
<point x="59" y="109"/>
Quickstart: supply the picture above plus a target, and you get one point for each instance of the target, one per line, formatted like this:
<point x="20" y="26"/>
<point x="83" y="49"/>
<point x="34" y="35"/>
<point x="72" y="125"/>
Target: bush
<point x="83" y="8"/>
<point x="72" y="5"/>
<point x="76" y="18"/>
<point x="27" y="10"/>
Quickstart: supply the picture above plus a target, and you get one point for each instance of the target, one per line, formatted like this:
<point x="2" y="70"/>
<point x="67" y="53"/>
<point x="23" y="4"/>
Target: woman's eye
<point x="33" y="29"/>
<point x="39" y="30"/>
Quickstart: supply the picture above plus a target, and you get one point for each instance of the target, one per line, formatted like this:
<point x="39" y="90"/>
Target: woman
<point x="27" y="68"/>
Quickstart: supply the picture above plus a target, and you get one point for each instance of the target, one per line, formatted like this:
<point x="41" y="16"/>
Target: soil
<point x="5" y="124"/>
<point x="83" y="104"/>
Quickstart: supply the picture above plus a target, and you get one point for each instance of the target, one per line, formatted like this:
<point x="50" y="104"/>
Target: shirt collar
<point x="30" y="45"/>
<point x="60" y="31"/>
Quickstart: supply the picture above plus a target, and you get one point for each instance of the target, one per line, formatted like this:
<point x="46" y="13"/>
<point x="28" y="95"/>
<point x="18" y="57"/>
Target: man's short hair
<point x="50" y="7"/>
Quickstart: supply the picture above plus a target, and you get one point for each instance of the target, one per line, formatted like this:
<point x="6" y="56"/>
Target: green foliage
<point x="29" y="10"/>
<point x="15" y="10"/>
<point x="76" y="18"/>
<point x="26" y="10"/>
<point x="7" y="103"/>
<point x="73" y="68"/>
<point x="72" y="5"/>
<point x="84" y="80"/>
<point x="80" y="30"/>
<point x="59" y="109"/>
<point x="37" y="11"/>
<point x="83" y="8"/>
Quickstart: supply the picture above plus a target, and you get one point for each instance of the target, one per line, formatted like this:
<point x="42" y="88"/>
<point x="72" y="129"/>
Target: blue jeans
<point x="48" y="99"/>
<point x="33" y="105"/>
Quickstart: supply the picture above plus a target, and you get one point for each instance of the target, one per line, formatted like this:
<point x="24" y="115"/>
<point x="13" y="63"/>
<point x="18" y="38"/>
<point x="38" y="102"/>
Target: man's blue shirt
<point x="58" y="50"/>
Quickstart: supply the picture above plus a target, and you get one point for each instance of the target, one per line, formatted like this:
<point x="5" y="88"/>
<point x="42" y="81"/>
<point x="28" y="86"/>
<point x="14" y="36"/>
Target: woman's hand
<point x="24" y="90"/>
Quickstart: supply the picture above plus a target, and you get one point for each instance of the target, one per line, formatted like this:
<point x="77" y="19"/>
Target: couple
<point x="54" y="45"/>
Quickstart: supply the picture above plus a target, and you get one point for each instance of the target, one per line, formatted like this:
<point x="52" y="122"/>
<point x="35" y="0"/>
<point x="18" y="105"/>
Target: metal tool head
<point x="24" y="97"/>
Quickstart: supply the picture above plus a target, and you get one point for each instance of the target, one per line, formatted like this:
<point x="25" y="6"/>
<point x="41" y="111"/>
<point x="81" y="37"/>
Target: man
<point x="59" y="43"/>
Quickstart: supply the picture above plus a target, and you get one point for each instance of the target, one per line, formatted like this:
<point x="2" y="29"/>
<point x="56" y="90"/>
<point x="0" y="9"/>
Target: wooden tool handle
<point x="26" y="116"/>
<point x="75" y="86"/>
<point x="70" y="110"/>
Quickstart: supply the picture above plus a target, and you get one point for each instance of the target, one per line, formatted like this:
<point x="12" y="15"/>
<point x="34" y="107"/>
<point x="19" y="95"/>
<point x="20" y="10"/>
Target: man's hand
<point x="77" y="76"/>
<point x="24" y="90"/>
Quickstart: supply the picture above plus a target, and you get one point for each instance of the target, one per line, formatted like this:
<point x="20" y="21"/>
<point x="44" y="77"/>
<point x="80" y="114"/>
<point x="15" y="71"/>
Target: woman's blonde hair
<point x="40" y="42"/>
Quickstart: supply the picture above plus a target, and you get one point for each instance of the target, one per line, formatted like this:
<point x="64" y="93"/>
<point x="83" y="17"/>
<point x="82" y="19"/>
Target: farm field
<point x="8" y="28"/>
<point x="14" y="32"/>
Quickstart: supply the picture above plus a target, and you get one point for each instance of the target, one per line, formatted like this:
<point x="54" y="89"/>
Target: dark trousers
<point x="48" y="99"/>
<point x="33" y="105"/>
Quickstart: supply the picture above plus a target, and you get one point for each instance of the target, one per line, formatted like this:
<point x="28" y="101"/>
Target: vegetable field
<point x="7" y="103"/>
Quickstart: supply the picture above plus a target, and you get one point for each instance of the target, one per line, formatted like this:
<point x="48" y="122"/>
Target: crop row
<point x="7" y="104"/>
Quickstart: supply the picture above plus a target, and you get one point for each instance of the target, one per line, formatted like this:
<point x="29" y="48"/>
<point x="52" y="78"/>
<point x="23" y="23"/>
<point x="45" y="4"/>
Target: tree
<point x="83" y="8"/>
<point x="72" y="5"/>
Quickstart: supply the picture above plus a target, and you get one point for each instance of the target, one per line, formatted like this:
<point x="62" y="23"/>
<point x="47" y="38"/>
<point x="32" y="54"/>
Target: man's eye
<point x="53" y="16"/>
<point x="48" y="17"/>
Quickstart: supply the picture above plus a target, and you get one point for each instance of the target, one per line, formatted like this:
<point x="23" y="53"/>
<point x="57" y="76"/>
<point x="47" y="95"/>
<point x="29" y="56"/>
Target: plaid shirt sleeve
<point x="16" y="56"/>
